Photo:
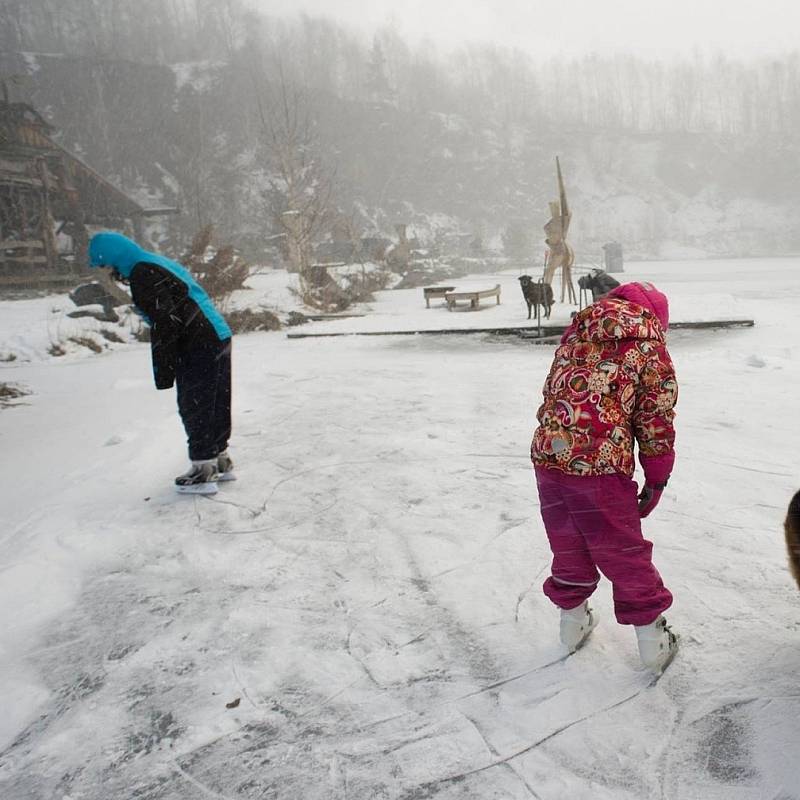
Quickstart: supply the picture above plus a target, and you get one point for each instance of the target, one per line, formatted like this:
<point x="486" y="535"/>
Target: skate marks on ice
<point x="131" y="708"/>
<point x="740" y="748"/>
<point x="330" y="754"/>
<point x="558" y="745"/>
<point x="106" y="673"/>
<point x="723" y="749"/>
<point x="356" y="676"/>
<point x="374" y="633"/>
<point x="141" y="671"/>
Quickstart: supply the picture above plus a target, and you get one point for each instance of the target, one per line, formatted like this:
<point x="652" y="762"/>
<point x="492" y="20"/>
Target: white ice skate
<point x="225" y="467"/>
<point x="657" y="645"/>
<point x="576" y="625"/>
<point x="200" y="478"/>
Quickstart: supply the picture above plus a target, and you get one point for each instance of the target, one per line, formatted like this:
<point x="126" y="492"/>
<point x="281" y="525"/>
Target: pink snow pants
<point x="593" y="524"/>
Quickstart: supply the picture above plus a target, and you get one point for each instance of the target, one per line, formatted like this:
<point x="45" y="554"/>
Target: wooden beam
<point x="47" y="222"/>
<point x="27" y="244"/>
<point x="26" y="259"/>
<point x="713" y="324"/>
<point x="159" y="212"/>
<point x="326" y="317"/>
<point x="710" y="325"/>
<point x="562" y="199"/>
<point x="40" y="279"/>
<point x="13" y="177"/>
<point x="550" y="333"/>
<point x="15" y="167"/>
<point x="500" y="331"/>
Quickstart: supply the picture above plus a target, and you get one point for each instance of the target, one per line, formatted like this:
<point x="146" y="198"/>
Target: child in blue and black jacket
<point x="191" y="348"/>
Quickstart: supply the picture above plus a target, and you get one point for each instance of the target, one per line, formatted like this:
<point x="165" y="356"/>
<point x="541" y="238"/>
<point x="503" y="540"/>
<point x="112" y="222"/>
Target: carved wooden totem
<point x="560" y="254"/>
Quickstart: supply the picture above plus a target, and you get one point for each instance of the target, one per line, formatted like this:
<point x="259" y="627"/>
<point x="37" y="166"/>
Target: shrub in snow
<point x="9" y="392"/>
<point x="247" y="320"/>
<point x="333" y="289"/>
<point x="296" y="318"/>
<point x="220" y="271"/>
<point x="88" y="342"/>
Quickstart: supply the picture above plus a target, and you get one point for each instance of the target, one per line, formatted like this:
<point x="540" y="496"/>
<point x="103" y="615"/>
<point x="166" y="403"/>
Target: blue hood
<point x="116" y="251"/>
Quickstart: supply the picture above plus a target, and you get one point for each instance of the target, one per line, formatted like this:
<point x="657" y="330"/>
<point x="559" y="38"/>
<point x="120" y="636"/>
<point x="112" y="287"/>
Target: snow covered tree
<point x="377" y="81"/>
<point x="300" y="187"/>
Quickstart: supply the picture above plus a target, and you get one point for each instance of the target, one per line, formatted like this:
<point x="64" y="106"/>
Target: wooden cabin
<point x="47" y="192"/>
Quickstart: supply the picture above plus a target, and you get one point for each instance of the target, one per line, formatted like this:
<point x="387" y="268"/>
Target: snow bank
<point x="40" y="329"/>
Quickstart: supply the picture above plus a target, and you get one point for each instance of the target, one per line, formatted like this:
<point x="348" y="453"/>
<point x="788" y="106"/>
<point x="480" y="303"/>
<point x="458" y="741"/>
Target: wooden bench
<point x="435" y="291"/>
<point x="473" y="297"/>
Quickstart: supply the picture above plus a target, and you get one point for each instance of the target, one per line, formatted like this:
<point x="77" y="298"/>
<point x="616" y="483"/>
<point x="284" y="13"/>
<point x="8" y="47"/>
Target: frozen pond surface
<point x="367" y="594"/>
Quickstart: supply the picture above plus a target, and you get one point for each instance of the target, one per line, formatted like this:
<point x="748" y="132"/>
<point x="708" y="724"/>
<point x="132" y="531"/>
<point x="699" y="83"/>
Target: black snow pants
<point x="203" y="379"/>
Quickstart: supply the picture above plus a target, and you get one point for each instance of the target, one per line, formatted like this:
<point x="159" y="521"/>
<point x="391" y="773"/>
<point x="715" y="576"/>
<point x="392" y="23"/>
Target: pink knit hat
<point x="647" y="296"/>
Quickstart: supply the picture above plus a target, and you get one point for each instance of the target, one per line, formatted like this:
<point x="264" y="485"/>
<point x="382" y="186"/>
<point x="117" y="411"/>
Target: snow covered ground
<point x="30" y="330"/>
<point x="367" y="595"/>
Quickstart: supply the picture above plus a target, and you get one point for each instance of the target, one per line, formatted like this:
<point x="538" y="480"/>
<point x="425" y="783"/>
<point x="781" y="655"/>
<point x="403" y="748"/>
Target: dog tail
<point x="792" y="528"/>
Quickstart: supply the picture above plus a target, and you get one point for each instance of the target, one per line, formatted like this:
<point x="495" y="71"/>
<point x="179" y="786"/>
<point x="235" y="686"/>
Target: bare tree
<point x="299" y="187"/>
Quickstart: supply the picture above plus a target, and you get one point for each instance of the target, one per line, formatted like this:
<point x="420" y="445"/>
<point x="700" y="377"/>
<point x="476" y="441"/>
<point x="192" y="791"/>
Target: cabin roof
<point x="25" y="137"/>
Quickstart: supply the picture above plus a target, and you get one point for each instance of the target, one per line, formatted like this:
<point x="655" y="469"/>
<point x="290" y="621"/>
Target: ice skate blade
<point x="575" y="647"/>
<point x="581" y="643"/>
<point x="197" y="488"/>
<point x="670" y="658"/>
<point x="224" y="477"/>
<point x="657" y="672"/>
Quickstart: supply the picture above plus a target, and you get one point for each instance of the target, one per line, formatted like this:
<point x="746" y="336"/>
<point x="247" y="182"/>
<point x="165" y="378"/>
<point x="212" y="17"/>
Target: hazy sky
<point x="663" y="27"/>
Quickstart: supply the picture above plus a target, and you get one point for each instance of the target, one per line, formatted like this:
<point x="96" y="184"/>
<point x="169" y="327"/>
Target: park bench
<point x="435" y="291"/>
<point x="474" y="297"/>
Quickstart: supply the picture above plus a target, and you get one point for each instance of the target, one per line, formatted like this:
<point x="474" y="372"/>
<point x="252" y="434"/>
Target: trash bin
<point x="612" y="257"/>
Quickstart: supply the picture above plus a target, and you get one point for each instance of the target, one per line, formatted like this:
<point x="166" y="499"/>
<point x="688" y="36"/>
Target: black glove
<point x="649" y="497"/>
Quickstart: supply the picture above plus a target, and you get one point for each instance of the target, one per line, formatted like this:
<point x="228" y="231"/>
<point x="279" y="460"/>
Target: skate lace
<point x="671" y="637"/>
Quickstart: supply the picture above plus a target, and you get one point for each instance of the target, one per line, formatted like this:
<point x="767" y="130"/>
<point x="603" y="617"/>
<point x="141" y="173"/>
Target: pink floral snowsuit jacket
<point x="612" y="383"/>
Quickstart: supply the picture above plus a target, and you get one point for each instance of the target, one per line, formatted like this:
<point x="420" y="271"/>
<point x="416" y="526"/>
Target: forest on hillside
<point x="201" y="103"/>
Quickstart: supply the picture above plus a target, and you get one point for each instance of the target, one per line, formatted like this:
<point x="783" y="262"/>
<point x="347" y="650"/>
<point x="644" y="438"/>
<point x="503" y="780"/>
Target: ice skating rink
<point x="367" y="595"/>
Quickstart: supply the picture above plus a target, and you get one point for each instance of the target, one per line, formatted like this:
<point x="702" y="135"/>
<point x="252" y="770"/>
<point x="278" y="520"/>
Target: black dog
<point x="536" y="293"/>
<point x="792" y="529"/>
<point x="598" y="284"/>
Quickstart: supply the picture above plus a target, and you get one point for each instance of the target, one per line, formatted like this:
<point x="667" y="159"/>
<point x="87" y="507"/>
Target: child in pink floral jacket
<point x="611" y="383"/>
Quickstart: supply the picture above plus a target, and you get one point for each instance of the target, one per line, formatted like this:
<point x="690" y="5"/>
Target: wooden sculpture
<point x="559" y="254"/>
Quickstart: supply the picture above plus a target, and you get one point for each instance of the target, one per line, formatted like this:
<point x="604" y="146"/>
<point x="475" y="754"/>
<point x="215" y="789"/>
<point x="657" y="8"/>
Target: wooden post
<point x="138" y="229"/>
<point x="46" y="222"/>
<point x="80" y="244"/>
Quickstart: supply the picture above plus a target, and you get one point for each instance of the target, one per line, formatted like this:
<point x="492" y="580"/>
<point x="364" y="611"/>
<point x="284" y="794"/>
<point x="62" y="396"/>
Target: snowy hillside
<point x="359" y="616"/>
<point x="189" y="134"/>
